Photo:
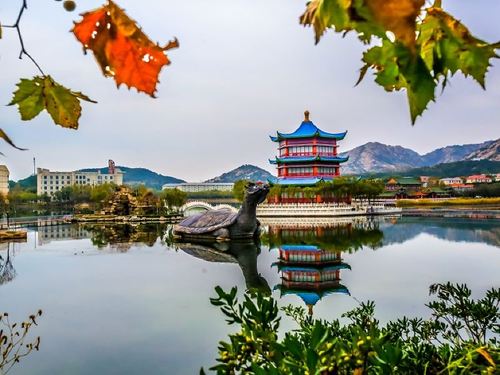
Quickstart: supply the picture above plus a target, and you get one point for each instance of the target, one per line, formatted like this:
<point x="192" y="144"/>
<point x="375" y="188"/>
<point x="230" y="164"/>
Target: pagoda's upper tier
<point x="307" y="130"/>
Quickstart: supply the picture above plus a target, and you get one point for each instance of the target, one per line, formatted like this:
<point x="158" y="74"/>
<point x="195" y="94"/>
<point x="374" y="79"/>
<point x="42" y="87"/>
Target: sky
<point x="244" y="70"/>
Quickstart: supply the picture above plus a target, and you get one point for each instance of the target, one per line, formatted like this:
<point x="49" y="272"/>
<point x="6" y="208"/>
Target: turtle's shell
<point x="206" y="222"/>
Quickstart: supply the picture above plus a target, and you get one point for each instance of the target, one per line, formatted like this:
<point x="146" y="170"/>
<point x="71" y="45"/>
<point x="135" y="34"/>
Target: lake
<point x="125" y="300"/>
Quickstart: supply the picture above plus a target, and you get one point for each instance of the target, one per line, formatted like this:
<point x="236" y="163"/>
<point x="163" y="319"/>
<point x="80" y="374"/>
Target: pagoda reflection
<point x="310" y="259"/>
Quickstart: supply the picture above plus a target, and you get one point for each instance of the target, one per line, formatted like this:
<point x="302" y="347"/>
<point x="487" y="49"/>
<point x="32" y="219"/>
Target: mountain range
<point x="244" y="172"/>
<point x="370" y="158"/>
<point x="375" y="157"/>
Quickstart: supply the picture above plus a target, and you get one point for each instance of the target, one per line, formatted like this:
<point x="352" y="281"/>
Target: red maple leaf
<point x="121" y="49"/>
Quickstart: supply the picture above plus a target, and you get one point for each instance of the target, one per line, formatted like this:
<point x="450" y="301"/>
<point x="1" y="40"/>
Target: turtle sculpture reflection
<point x="244" y="253"/>
<point x="224" y="224"/>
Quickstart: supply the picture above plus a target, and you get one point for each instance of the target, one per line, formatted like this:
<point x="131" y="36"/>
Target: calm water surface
<point x="124" y="300"/>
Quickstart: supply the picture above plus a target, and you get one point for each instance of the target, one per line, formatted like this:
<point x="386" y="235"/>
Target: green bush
<point x="460" y="337"/>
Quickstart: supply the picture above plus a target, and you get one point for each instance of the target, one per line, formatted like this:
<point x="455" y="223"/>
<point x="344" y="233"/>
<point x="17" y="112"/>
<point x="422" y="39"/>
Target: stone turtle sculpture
<point x="224" y="224"/>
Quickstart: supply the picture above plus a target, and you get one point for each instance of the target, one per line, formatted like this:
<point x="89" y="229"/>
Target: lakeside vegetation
<point x="461" y="336"/>
<point x="87" y="199"/>
<point x="448" y="202"/>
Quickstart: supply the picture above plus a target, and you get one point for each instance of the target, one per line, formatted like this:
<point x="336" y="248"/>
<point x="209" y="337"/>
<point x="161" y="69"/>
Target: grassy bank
<point x="474" y="202"/>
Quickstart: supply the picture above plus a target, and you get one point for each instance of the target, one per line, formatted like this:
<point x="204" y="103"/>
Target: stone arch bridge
<point x="194" y="207"/>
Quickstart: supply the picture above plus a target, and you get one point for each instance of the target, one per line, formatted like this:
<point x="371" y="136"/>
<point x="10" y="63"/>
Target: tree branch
<point x="16" y="26"/>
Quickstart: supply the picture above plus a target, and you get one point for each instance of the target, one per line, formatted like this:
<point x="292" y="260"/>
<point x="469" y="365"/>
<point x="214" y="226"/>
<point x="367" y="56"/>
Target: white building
<point x="478" y="179"/>
<point x="48" y="182"/>
<point x="193" y="187"/>
<point x="4" y="180"/>
<point x="451" y="181"/>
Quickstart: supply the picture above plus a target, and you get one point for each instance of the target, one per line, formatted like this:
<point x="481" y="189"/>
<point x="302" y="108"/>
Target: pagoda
<point x="308" y="155"/>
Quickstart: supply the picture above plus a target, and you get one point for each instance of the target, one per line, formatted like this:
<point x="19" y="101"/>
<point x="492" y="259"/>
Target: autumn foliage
<point x="121" y="49"/>
<point x="412" y="45"/>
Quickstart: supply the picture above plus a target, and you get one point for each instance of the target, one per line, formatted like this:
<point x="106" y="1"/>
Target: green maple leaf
<point x="447" y="47"/>
<point x="325" y="14"/>
<point x="396" y="68"/>
<point x="29" y="97"/>
<point x="39" y="93"/>
<point x="420" y="86"/>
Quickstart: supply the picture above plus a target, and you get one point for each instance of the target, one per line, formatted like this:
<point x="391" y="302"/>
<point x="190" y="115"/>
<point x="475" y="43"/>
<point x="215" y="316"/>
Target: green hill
<point x="28" y="183"/>
<point x="131" y="176"/>
<point x="140" y="176"/>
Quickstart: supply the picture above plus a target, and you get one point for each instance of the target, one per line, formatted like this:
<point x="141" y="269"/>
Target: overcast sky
<point x="245" y="69"/>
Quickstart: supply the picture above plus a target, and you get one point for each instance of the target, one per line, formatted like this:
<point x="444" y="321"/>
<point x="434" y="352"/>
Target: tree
<point x="239" y="189"/>
<point x="173" y="197"/>
<point x="102" y="193"/>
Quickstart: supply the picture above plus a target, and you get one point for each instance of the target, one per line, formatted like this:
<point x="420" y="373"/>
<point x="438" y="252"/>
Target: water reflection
<point x="123" y="236"/>
<point x="243" y="253"/>
<point x="310" y="255"/>
<point x="148" y="311"/>
<point x="404" y="229"/>
<point x="7" y="270"/>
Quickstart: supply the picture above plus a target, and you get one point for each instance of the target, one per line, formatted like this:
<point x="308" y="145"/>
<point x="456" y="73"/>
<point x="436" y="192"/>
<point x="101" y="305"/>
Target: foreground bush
<point x="461" y="337"/>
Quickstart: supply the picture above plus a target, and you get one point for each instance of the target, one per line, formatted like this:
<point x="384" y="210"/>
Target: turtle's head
<point x="256" y="193"/>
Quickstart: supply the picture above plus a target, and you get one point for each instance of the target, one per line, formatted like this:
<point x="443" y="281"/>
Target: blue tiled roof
<point x="336" y="267"/>
<point x="311" y="298"/>
<point x="300" y="248"/>
<point x="307" y="130"/>
<point x="297" y="181"/>
<point x="306" y="159"/>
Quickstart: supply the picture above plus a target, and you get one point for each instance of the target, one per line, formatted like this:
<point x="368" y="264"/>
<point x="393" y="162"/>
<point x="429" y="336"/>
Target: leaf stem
<point x="16" y="26"/>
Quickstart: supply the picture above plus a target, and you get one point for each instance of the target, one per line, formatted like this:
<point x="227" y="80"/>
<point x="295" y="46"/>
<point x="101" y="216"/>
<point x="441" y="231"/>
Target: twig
<point x="21" y="41"/>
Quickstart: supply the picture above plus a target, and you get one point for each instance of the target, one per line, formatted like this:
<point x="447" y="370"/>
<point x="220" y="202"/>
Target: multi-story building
<point x="4" y="180"/>
<point x="193" y="187"/>
<point x="48" y="182"/>
<point x="451" y="181"/>
<point x="478" y="179"/>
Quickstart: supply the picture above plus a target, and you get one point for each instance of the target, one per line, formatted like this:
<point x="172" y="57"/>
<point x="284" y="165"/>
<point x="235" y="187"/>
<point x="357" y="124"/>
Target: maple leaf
<point x="121" y="49"/>
<point x="397" y="67"/>
<point x="42" y="92"/>
<point x="398" y="16"/>
<point x="324" y="14"/>
<point x="7" y="139"/>
<point x="447" y="46"/>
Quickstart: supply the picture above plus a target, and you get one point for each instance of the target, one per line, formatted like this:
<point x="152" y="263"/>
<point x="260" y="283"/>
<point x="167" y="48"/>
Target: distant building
<point x="425" y="181"/>
<point x="451" y="181"/>
<point x="460" y="188"/>
<point x="48" y="182"/>
<point x="193" y="187"/>
<point x="496" y="177"/>
<point x="478" y="179"/>
<point x="396" y="184"/>
<point x="4" y="180"/>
